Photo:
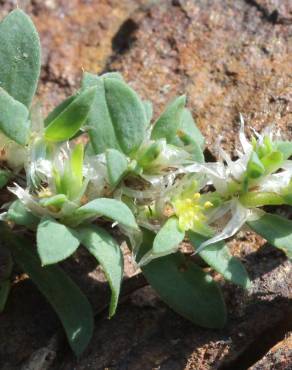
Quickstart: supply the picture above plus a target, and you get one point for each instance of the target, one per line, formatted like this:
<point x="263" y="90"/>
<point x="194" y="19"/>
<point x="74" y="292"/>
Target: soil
<point x="228" y="57"/>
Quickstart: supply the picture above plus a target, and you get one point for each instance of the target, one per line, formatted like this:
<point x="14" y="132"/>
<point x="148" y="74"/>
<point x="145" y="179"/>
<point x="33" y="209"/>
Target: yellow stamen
<point x="197" y="196"/>
<point x="208" y="205"/>
<point x="45" y="193"/>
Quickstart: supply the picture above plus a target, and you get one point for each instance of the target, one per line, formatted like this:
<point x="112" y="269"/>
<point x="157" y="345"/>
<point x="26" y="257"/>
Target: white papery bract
<point x="239" y="184"/>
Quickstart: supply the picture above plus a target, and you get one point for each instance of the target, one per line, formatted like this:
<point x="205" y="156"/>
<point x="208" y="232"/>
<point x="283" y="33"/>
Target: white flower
<point x="228" y="178"/>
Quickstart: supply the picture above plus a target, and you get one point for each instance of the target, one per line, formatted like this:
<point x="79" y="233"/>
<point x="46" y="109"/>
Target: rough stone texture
<point x="224" y="55"/>
<point x="75" y="35"/>
<point x="278" y="358"/>
<point x="25" y="326"/>
<point x="274" y="11"/>
<point x="229" y="57"/>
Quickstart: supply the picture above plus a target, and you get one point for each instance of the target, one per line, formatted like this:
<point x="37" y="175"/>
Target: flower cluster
<point x="99" y="170"/>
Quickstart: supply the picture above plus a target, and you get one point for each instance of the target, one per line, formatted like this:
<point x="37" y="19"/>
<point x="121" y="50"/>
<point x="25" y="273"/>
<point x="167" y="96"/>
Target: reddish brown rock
<point x="224" y="55"/>
<point x="274" y="11"/>
<point x="278" y="358"/>
<point x="75" y="35"/>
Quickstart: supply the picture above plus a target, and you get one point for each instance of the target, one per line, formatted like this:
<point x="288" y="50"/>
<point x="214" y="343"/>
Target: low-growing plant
<point x="97" y="171"/>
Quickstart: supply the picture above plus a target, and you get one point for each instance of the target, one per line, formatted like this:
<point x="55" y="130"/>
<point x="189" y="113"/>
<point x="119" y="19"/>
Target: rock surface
<point x="278" y="358"/>
<point x="225" y="55"/>
<point x="228" y="57"/>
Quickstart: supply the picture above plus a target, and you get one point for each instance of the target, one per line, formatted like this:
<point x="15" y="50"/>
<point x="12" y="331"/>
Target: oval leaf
<point x="117" y="166"/>
<point x="168" y="123"/>
<point x="127" y="114"/>
<point x="58" y="110"/>
<point x="55" y="242"/>
<point x="285" y="147"/>
<point x="108" y="253"/>
<point x="101" y="131"/>
<point x="69" y="121"/>
<point x="218" y="256"/>
<point x="20" y="57"/>
<point x="185" y="287"/>
<point x="67" y="300"/>
<point x="110" y="208"/>
<point x="148" y="107"/>
<point x="117" y="119"/>
<point x="276" y="230"/>
<point x="18" y="214"/>
<point x="166" y="241"/>
<point x="189" y="128"/>
<point x="14" y="121"/>
<point x="189" y="135"/>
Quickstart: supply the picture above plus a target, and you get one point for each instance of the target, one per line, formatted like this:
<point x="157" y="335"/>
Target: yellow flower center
<point x="190" y="212"/>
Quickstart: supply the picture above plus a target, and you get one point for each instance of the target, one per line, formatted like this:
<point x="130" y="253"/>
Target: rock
<point x="274" y="11"/>
<point x="26" y="325"/>
<point x="75" y="35"/>
<point x="225" y="55"/>
<point x="278" y="358"/>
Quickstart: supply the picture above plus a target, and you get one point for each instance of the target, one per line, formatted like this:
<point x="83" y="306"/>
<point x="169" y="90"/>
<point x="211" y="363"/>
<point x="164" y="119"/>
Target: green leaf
<point x="272" y="161"/>
<point x="18" y="214"/>
<point x="148" y="107"/>
<point x="185" y="287"/>
<point x="68" y="301"/>
<point x="166" y="241"/>
<point x="70" y="182"/>
<point x="190" y="146"/>
<point x="4" y="293"/>
<point x="117" y="119"/>
<point x="4" y="178"/>
<point x="116" y="75"/>
<point x="257" y="199"/>
<point x="76" y="162"/>
<point x="218" y="256"/>
<point x="20" y="57"/>
<point x="54" y="201"/>
<point x="55" y="241"/>
<point x="276" y="230"/>
<point x="190" y="130"/>
<point x="58" y="110"/>
<point x="107" y="252"/>
<point x="101" y="131"/>
<point x="69" y="121"/>
<point x="117" y="166"/>
<point x="285" y="147"/>
<point x="189" y="134"/>
<point x="147" y="156"/>
<point x="168" y="123"/>
<point x="14" y="121"/>
<point x="110" y="208"/>
<point x="255" y="168"/>
<point x="127" y="114"/>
